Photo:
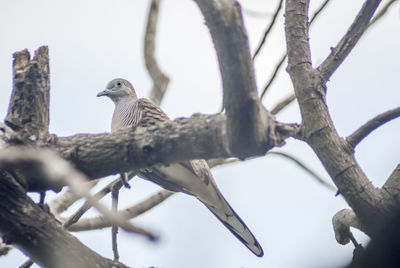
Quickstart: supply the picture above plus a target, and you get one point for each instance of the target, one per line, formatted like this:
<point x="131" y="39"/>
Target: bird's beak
<point x="103" y="93"/>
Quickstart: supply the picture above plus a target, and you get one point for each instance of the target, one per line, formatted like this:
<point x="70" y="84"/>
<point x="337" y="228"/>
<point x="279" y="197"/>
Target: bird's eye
<point x="119" y="83"/>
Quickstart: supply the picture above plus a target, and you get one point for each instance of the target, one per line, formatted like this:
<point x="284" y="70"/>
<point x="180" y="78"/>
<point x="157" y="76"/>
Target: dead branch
<point x="366" y="129"/>
<point x="247" y="121"/>
<point x="128" y="213"/>
<point x="160" y="80"/>
<point x="346" y="44"/>
<point x="269" y="28"/>
<point x="317" y="127"/>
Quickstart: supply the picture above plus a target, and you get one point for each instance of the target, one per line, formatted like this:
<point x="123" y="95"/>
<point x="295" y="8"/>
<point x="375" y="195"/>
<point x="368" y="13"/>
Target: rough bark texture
<point x="23" y="223"/>
<point x="28" y="111"/>
<point x="28" y="227"/>
<point x="248" y="123"/>
<point x="136" y="147"/>
<point x="318" y="130"/>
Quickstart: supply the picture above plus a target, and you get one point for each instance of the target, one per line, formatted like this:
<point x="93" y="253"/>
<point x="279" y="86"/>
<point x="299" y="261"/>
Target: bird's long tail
<point x="224" y="212"/>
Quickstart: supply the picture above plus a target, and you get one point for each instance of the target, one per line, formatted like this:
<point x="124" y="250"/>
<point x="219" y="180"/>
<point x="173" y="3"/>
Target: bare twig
<point x="291" y="98"/>
<point x="128" y="213"/>
<point x="305" y="168"/>
<point x="285" y="102"/>
<point x="27" y="264"/>
<point x="347" y="43"/>
<point x="114" y="228"/>
<point x="382" y="12"/>
<point x="269" y="28"/>
<point x="256" y="14"/>
<point x="160" y="80"/>
<point x="66" y="199"/>
<point x="318" y="11"/>
<point x="371" y="125"/>
<point x="273" y="76"/>
<point x="117" y="183"/>
<point x="283" y="58"/>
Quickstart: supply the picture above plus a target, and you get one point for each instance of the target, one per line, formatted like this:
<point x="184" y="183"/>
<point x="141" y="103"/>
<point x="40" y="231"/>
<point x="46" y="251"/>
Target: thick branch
<point x="317" y="128"/>
<point x="160" y="80"/>
<point x="199" y="137"/>
<point x="347" y="43"/>
<point x="28" y="111"/>
<point x="248" y="124"/>
<point x="38" y="235"/>
<point x="371" y="125"/>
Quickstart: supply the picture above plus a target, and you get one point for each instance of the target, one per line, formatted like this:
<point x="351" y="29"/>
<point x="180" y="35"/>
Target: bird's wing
<point x="150" y="113"/>
<point x="194" y="177"/>
<point x="200" y="168"/>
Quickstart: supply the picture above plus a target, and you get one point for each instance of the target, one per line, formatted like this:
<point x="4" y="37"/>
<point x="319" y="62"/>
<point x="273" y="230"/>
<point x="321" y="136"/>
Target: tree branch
<point x="342" y="221"/>
<point x="160" y="80"/>
<point x="274" y="74"/>
<point x="50" y="167"/>
<point x="28" y="111"/>
<point x="269" y="28"/>
<point x="248" y="124"/>
<point x="116" y="184"/>
<point x="283" y="58"/>
<point x="305" y="168"/>
<point x="347" y="43"/>
<point x="281" y="105"/>
<point x="38" y="235"/>
<point x="317" y="126"/>
<point x="382" y="12"/>
<point x="371" y="125"/>
<point x="132" y="148"/>
<point x="128" y="213"/>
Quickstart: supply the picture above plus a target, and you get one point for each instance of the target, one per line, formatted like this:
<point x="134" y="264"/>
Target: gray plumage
<point x="192" y="177"/>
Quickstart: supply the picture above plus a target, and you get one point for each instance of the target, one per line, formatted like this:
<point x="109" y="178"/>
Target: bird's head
<point x="118" y="90"/>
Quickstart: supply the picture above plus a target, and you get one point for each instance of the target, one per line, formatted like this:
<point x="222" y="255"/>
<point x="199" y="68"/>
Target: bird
<point x="191" y="177"/>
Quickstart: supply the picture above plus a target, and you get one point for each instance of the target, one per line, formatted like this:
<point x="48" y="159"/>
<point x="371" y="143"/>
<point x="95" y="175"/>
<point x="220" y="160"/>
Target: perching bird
<point x="192" y="177"/>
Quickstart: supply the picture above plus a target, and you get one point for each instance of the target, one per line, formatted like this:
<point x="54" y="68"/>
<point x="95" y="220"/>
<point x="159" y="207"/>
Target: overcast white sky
<point x="94" y="41"/>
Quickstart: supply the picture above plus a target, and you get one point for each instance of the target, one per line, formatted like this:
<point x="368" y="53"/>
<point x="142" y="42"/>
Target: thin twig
<point x="283" y="58"/>
<point x="273" y="76"/>
<point x="27" y="264"/>
<point x="350" y="39"/>
<point x="305" y="168"/>
<point x="128" y="213"/>
<point x="114" y="228"/>
<point x="269" y="28"/>
<point x="160" y="80"/>
<point x="256" y="14"/>
<point x="117" y="183"/>
<point x="382" y="12"/>
<point x="285" y="102"/>
<point x="66" y="199"/>
<point x="371" y="125"/>
<point x="318" y="11"/>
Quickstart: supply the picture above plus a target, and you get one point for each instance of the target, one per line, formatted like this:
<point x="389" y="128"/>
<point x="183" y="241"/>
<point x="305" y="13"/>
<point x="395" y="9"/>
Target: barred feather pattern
<point x="192" y="177"/>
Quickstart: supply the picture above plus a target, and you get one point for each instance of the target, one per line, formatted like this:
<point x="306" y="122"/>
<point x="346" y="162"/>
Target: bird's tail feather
<point x="234" y="223"/>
